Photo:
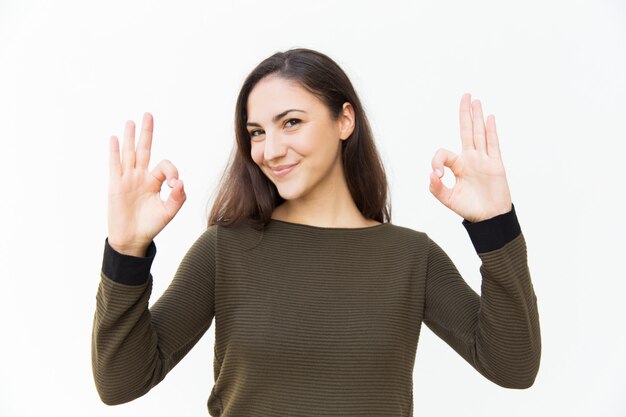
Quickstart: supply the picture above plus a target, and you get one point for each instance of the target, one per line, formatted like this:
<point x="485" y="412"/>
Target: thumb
<point x="176" y="198"/>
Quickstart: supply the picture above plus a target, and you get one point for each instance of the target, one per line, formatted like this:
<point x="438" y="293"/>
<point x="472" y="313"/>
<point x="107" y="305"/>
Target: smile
<point x="283" y="170"/>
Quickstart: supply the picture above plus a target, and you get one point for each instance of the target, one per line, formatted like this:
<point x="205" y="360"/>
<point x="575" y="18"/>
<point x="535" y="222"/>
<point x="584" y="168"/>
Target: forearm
<point x="497" y="332"/>
<point x="508" y="341"/>
<point x="125" y="359"/>
<point x="133" y="346"/>
<point x="507" y="345"/>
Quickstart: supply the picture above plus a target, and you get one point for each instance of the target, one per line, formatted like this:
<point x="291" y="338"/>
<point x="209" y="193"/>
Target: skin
<point x="481" y="190"/>
<point x="315" y="190"/>
<point x="136" y="213"/>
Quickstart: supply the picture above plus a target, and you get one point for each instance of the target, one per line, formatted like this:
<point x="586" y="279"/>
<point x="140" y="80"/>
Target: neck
<point x="332" y="206"/>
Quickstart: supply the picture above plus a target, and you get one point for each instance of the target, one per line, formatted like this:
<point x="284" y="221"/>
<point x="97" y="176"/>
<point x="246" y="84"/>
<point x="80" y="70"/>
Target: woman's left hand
<point x="481" y="190"/>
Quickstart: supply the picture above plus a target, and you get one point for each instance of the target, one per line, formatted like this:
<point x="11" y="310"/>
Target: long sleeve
<point x="498" y="331"/>
<point x="133" y="347"/>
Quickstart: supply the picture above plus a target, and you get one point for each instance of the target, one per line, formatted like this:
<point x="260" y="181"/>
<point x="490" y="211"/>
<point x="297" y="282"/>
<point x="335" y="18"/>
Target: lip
<point x="282" y="170"/>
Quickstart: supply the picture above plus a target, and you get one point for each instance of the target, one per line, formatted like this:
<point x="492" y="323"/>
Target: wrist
<point x="495" y="232"/>
<point x="128" y="269"/>
<point x="130" y="250"/>
<point x="490" y="214"/>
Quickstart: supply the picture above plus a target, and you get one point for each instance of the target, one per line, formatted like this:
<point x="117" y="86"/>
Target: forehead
<point x="273" y="94"/>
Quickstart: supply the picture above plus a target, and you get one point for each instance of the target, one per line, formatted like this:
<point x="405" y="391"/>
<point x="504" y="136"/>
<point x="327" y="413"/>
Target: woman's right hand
<point x="136" y="213"/>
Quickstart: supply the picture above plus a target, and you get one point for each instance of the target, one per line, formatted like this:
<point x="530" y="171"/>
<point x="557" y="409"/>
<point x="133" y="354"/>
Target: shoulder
<point x="400" y="239"/>
<point x="241" y="235"/>
<point x="407" y="234"/>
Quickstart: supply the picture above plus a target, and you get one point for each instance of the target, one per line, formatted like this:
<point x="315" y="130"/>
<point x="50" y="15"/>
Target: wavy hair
<point x="245" y="194"/>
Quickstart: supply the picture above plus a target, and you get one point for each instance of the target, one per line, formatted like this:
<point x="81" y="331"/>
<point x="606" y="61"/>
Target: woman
<point x="318" y="298"/>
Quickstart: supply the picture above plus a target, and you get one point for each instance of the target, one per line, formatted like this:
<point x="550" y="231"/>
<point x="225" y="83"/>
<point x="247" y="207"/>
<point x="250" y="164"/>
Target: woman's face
<point x="294" y="140"/>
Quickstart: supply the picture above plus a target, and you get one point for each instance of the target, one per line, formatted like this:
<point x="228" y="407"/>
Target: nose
<point x="274" y="146"/>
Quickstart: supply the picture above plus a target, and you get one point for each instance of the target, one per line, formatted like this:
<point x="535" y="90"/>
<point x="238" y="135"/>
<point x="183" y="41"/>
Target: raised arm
<point x="498" y="331"/>
<point x="134" y="347"/>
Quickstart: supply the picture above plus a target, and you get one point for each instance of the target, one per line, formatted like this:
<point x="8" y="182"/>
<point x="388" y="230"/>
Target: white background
<point x="553" y="73"/>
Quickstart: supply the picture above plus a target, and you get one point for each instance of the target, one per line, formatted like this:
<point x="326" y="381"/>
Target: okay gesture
<point x="481" y="190"/>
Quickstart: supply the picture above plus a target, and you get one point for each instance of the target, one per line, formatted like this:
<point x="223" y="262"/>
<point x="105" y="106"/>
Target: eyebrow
<point x="275" y="118"/>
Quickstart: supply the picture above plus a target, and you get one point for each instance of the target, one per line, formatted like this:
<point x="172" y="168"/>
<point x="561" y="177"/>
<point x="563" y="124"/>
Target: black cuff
<point x="127" y="269"/>
<point x="493" y="233"/>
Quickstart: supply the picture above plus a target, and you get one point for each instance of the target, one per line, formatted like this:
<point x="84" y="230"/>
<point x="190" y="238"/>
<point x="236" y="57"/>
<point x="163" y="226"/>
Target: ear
<point x="346" y="120"/>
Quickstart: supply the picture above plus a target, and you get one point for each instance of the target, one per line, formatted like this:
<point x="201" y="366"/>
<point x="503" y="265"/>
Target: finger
<point x="145" y="141"/>
<point x="493" y="144"/>
<point x="465" y="121"/>
<point x="480" y="141"/>
<point x="439" y="189"/>
<point x="115" y="168"/>
<point x="176" y="198"/>
<point x="165" y="170"/>
<point x="443" y="158"/>
<point x="128" y="157"/>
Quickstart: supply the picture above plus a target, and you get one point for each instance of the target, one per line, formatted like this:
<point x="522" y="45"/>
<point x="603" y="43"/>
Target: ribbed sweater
<point x="316" y="321"/>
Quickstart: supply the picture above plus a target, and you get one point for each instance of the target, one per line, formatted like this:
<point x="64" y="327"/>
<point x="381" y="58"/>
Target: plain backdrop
<point x="553" y="73"/>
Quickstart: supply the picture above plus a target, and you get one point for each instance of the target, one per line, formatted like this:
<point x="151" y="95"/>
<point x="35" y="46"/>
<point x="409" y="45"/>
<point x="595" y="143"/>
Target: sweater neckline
<point x="328" y="229"/>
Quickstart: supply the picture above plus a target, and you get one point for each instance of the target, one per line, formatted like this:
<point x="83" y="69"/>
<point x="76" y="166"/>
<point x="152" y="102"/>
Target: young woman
<point x="318" y="298"/>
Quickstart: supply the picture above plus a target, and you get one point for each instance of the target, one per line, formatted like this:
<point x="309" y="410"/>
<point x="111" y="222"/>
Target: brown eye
<point x="292" y="120"/>
<point x="255" y="133"/>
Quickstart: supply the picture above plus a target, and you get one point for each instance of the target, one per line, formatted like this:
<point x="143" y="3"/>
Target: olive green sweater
<point x="314" y="321"/>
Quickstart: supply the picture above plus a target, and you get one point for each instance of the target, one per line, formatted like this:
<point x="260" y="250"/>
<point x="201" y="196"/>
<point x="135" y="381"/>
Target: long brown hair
<point x="247" y="195"/>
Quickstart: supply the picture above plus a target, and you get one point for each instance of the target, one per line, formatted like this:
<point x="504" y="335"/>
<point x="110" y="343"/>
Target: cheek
<point x="256" y="152"/>
<point x="320" y="150"/>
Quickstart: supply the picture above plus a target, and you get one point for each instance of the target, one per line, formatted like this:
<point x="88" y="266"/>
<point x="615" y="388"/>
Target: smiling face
<point x="294" y="139"/>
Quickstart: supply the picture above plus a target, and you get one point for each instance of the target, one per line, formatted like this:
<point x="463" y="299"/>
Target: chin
<point x="288" y="193"/>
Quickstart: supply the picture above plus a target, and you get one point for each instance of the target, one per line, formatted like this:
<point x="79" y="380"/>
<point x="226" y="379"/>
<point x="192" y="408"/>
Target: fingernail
<point x="438" y="172"/>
